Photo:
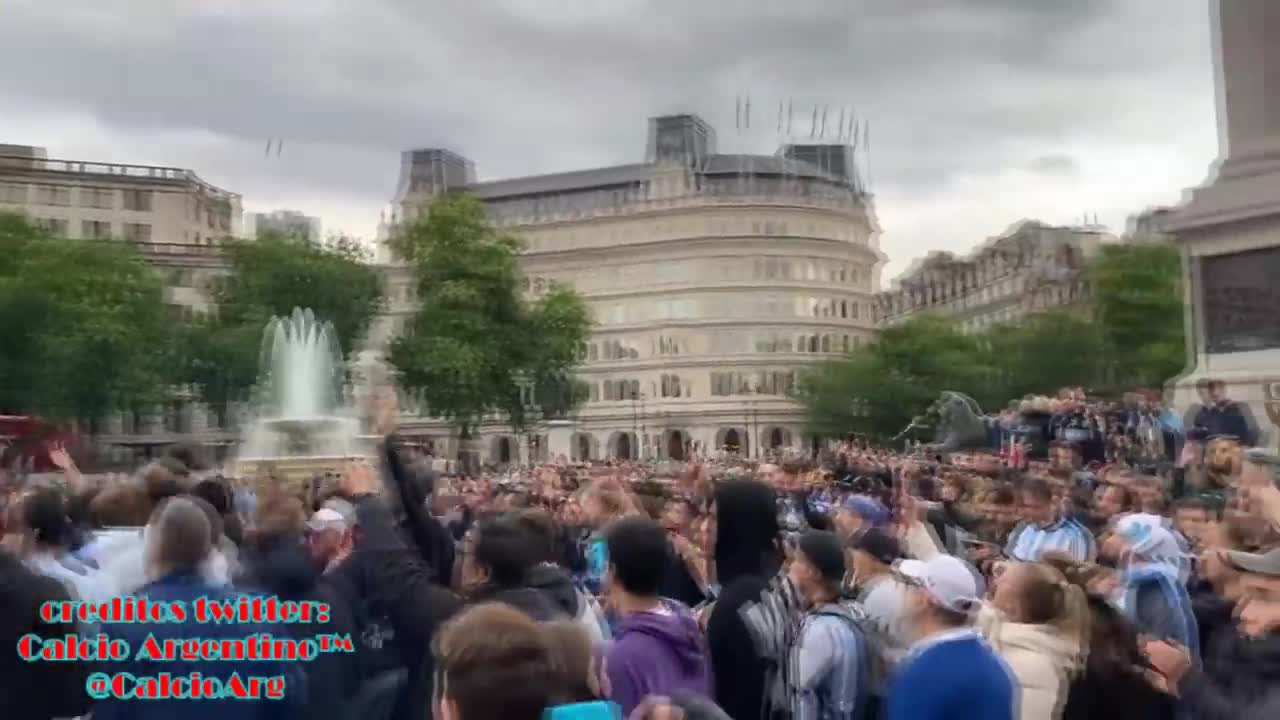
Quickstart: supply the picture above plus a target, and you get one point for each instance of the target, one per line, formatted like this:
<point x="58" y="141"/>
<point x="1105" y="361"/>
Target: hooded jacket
<point x="747" y="558"/>
<point x="553" y="581"/>
<point x="35" y="690"/>
<point x="657" y="653"/>
<point x="1042" y="662"/>
<point x="282" y="567"/>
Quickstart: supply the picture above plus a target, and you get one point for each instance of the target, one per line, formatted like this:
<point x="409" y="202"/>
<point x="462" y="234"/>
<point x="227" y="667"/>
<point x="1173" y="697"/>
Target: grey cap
<point x="1265" y="563"/>
<point x="1262" y="456"/>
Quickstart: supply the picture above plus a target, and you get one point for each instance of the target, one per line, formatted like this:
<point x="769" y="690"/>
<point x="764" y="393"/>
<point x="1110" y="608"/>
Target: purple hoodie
<point x="657" y="653"/>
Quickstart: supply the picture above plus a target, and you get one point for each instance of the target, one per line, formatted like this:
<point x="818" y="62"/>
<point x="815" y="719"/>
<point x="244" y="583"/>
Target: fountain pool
<point x="304" y="420"/>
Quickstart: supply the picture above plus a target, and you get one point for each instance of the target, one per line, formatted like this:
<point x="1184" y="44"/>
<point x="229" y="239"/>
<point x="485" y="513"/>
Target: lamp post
<point x="644" y="431"/>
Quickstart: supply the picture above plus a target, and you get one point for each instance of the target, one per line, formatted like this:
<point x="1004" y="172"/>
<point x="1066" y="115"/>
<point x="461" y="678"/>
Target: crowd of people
<point x="862" y="583"/>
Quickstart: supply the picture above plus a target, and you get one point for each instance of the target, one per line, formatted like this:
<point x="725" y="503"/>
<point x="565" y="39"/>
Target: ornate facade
<point x="713" y="278"/>
<point x="1032" y="268"/>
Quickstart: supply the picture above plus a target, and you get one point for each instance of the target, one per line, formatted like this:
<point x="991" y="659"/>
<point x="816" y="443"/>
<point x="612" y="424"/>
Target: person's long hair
<point x="1049" y="598"/>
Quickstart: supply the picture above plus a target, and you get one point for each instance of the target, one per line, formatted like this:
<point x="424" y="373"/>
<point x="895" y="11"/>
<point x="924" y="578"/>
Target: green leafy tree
<point x="1129" y="334"/>
<point x="476" y="346"/>
<point x="269" y="277"/>
<point x="1137" y="301"/>
<point x="84" y="323"/>
<point x="878" y="389"/>
<point x="561" y="321"/>
<point x="1039" y="355"/>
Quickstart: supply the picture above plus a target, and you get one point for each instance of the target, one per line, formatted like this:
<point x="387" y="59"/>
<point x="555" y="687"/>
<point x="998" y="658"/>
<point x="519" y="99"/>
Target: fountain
<point x="305" y="422"/>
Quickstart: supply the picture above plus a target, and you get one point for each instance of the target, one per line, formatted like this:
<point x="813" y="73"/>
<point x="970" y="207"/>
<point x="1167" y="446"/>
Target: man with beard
<point x="951" y="672"/>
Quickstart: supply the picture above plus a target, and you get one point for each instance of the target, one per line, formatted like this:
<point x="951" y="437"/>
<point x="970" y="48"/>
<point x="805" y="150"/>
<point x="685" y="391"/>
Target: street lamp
<point x="751" y="421"/>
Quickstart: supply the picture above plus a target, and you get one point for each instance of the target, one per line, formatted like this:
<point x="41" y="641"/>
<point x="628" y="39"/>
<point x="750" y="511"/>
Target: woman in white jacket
<point x="1039" y="624"/>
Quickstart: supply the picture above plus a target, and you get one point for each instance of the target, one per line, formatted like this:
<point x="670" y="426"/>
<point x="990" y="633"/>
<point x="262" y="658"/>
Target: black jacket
<point x="1239" y="680"/>
<point x="1117" y="695"/>
<point x="747" y="558"/>
<point x="34" y="690"/>
<point x="392" y="580"/>
<point x="282" y="567"/>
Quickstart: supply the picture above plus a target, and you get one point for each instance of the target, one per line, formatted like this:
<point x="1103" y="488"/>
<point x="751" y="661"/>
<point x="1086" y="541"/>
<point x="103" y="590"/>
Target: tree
<point x="878" y="389"/>
<point x="476" y="346"/>
<point x="84" y="323"/>
<point x="1040" y="354"/>
<point x="561" y="321"/>
<point x="269" y="277"/>
<point x="1129" y="334"/>
<point x="1137" y="301"/>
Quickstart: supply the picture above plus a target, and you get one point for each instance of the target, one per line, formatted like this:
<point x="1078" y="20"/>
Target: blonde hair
<point x="611" y="496"/>
<point x="1049" y="598"/>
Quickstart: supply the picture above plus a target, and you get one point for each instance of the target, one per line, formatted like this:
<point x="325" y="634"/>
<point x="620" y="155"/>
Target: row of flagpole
<point x="847" y="128"/>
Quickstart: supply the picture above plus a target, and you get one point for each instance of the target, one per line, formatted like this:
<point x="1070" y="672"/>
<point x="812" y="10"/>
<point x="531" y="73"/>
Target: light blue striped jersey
<point x="1029" y="542"/>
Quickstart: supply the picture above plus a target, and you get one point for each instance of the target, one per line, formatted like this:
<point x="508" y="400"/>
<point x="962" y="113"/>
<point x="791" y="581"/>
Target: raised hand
<point x="61" y="459"/>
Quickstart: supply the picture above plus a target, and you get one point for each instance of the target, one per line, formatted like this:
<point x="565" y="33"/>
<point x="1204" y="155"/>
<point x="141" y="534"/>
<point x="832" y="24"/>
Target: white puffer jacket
<point x="1042" y="660"/>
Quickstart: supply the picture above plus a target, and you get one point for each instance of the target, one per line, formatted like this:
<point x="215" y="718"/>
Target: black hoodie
<point x="282" y="567"/>
<point x="747" y="557"/>
<point x="546" y="595"/>
<point x="35" y="690"/>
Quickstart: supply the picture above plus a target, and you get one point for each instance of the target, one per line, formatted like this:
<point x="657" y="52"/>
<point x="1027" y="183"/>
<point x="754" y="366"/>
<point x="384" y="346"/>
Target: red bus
<point x="25" y="442"/>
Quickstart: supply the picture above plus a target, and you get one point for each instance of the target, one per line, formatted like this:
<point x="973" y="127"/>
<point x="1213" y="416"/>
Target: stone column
<point x="1230" y="227"/>
<point x="560" y="440"/>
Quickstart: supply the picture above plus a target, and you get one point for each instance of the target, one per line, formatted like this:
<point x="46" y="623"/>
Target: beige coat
<point x="1042" y="662"/>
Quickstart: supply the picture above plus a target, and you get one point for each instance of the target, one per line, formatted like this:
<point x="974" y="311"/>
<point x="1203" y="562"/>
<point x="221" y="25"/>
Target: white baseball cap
<point x="327" y="519"/>
<point x="948" y="580"/>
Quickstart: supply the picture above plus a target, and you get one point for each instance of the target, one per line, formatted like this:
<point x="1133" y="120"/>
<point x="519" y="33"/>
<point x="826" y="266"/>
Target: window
<point x="53" y="195"/>
<point x="670" y="386"/>
<point x="137" y="232"/>
<point x="621" y="389"/>
<point x="137" y="200"/>
<point x="97" y="198"/>
<point x="95" y="229"/>
<point x="13" y="193"/>
<point x="53" y="226"/>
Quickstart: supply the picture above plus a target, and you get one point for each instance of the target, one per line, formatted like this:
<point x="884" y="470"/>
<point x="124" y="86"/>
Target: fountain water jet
<point x="304" y="422"/>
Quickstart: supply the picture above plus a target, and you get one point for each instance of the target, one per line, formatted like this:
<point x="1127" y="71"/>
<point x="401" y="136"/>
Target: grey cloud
<point x="951" y="88"/>
<point x="1054" y="164"/>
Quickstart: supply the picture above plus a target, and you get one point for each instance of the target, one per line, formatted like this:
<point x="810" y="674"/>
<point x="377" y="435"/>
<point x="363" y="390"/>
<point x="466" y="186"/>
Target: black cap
<point x="878" y="544"/>
<point x="822" y="550"/>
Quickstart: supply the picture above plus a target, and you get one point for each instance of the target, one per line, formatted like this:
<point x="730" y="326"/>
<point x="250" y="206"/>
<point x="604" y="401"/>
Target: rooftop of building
<point x="682" y="140"/>
<point x="34" y="160"/>
<point x="1023" y="230"/>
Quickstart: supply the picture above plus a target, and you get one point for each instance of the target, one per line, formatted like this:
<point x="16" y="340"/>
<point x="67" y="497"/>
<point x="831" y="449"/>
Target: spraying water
<point x="301" y="409"/>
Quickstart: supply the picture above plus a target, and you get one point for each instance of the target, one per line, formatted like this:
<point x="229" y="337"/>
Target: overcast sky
<point x="982" y="112"/>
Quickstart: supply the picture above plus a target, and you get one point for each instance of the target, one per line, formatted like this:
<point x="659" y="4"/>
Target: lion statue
<point x="960" y="424"/>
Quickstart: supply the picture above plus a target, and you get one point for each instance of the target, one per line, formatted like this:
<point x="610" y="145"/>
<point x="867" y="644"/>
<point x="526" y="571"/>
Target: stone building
<point x="285" y="222"/>
<point x="712" y="277"/>
<point x="1032" y="268"/>
<point x="175" y="218"/>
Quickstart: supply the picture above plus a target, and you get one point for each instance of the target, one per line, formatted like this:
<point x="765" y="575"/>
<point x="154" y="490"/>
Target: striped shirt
<point x="1029" y="542"/>
<point x="827" y="668"/>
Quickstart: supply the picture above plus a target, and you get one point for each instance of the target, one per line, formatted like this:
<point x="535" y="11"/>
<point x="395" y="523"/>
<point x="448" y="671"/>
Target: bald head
<point x="178" y="538"/>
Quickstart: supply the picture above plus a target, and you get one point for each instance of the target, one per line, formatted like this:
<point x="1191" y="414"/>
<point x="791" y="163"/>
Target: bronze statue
<point x="960" y="424"/>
